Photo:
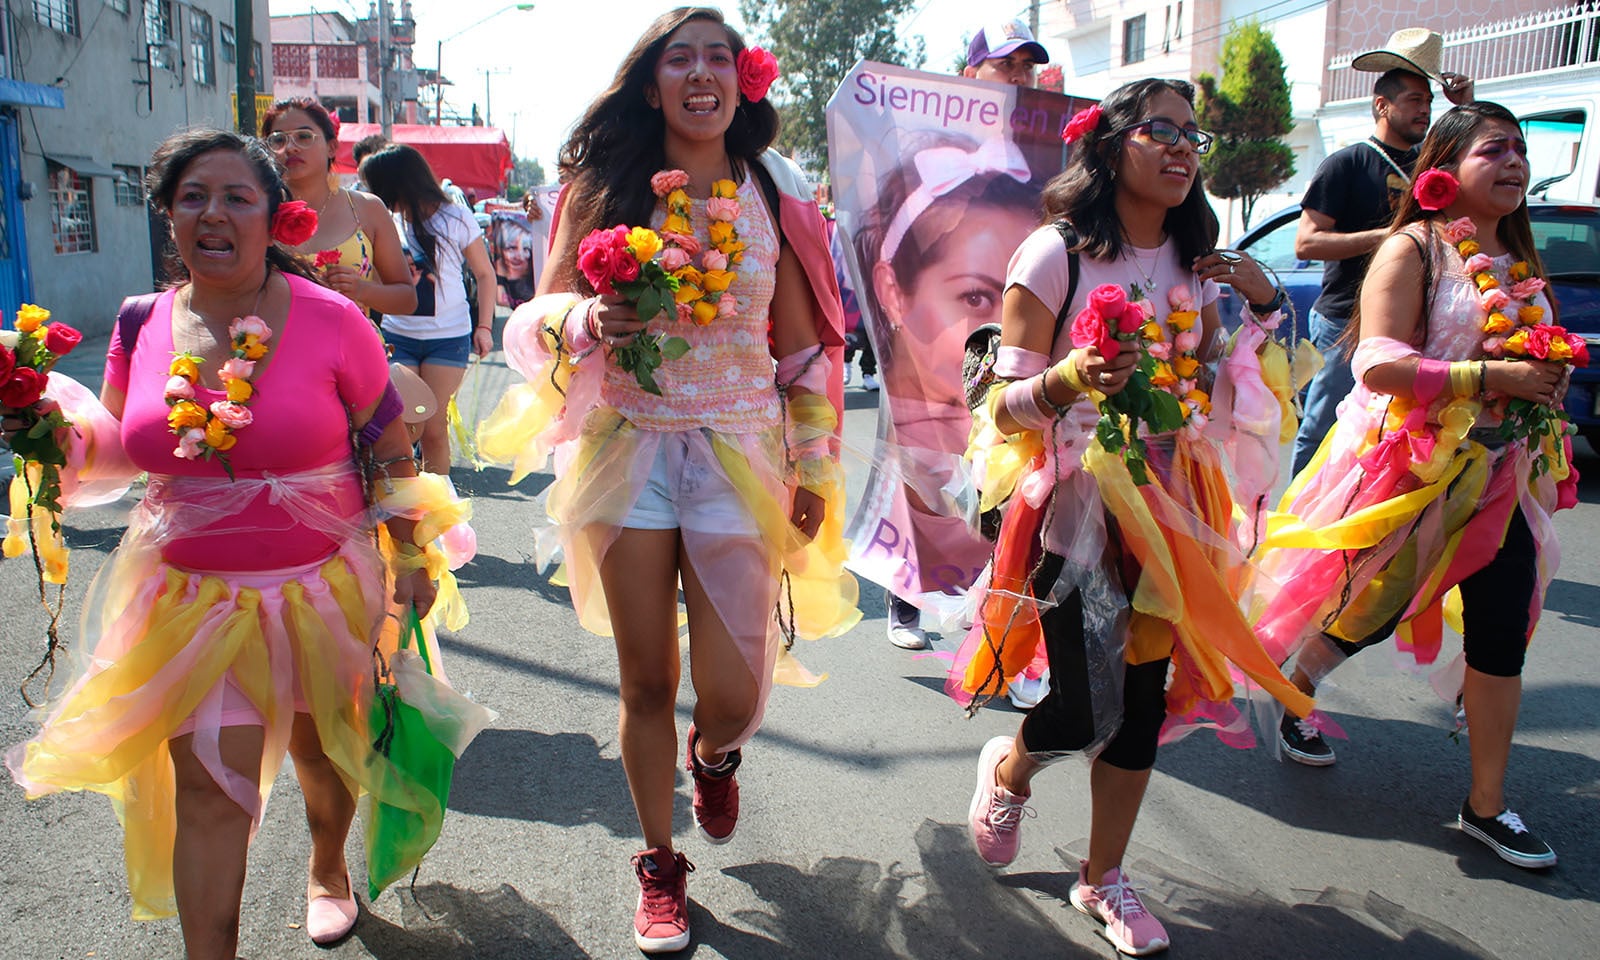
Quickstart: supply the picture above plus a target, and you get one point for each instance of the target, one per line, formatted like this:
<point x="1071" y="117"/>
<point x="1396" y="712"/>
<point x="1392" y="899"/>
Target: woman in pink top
<point x="237" y="618"/>
<point x="702" y="484"/>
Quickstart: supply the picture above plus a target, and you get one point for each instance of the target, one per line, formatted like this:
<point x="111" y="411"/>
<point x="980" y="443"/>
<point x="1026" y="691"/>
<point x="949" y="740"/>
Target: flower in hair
<point x="757" y="69"/>
<point x="1081" y="123"/>
<point x="333" y="120"/>
<point x="294" y="223"/>
<point x="1435" y="189"/>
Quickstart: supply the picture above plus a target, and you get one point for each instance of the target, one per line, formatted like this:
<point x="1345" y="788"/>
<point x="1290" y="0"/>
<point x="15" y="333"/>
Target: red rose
<point x="598" y="255"/>
<point x="1131" y="318"/>
<point x="757" y="70"/>
<point x="1539" y="341"/>
<point x="1435" y="189"/>
<point x="625" y="267"/>
<point x="1081" y="123"/>
<point x="294" y="223"/>
<point x="1107" y="300"/>
<point x="1088" y="330"/>
<point x="24" y="388"/>
<point x="60" y="339"/>
<point x="1580" y="349"/>
<point x="327" y="258"/>
<point x="8" y="363"/>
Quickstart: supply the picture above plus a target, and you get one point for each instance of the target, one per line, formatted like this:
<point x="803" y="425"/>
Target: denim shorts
<point x="684" y="492"/>
<point x="444" y="352"/>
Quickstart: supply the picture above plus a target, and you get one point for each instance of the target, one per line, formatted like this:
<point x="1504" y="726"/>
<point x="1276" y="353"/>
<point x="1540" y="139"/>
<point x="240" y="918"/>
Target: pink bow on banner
<point x="943" y="169"/>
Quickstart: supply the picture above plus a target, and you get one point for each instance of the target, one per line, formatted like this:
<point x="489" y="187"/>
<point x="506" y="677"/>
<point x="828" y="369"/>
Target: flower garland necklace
<point x="204" y="432"/>
<point x="1177" y="364"/>
<point x="701" y="292"/>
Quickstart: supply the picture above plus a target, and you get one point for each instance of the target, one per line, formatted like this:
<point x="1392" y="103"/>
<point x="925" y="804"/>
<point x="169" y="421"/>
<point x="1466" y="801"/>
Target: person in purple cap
<point x="1005" y="53"/>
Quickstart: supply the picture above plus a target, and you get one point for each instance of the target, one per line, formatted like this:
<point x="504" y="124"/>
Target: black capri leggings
<point x="1064" y="720"/>
<point x="1495" y="607"/>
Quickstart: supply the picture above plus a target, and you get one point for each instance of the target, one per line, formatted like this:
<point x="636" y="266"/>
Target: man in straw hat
<point x="1344" y="216"/>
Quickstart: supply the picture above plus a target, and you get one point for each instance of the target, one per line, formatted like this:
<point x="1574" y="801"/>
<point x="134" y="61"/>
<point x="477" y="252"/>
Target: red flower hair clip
<point x="757" y="69"/>
<point x="1081" y="123"/>
<point x="1435" y="189"/>
<point x="294" y="223"/>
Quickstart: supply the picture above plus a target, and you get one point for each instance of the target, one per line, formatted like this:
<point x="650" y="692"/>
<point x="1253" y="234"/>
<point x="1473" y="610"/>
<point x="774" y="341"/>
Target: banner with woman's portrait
<point x="518" y="236"/>
<point x="936" y="181"/>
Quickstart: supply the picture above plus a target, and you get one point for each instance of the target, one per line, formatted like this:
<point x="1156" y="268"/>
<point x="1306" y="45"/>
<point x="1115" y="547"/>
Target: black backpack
<point x="983" y="344"/>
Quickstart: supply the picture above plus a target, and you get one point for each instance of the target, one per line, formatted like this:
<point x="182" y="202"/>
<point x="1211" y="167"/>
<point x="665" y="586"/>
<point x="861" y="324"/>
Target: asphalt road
<point x="852" y="842"/>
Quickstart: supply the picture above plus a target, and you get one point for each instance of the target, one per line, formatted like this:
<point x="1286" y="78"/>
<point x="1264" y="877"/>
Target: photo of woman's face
<point x="515" y="251"/>
<point x="929" y="319"/>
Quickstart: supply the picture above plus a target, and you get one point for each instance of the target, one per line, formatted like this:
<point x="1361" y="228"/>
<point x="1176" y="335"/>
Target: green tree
<point x="525" y="175"/>
<point x="816" y="43"/>
<point x="1249" y="112"/>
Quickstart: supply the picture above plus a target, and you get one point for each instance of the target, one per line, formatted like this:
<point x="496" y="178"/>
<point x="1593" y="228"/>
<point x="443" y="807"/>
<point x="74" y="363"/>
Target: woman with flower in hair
<point x="723" y="478"/>
<point x="237" y="618"/>
<point x="1431" y="500"/>
<point x="356" y="246"/>
<point x="1117" y="554"/>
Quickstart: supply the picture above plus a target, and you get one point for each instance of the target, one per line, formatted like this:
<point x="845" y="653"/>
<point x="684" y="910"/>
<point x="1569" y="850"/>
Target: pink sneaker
<point x="661" y="922"/>
<point x="995" y="816"/>
<point x="716" y="798"/>
<point x="1129" y="926"/>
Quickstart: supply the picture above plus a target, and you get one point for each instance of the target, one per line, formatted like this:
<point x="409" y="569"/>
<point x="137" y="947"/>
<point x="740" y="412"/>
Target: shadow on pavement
<point x="441" y="922"/>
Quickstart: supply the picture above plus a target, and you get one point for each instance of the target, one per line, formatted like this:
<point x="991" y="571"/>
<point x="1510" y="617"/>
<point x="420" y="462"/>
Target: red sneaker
<point x="661" y="923"/>
<point x="716" y="795"/>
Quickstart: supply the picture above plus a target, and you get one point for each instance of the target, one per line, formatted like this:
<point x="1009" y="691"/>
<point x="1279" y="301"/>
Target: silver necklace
<point x="1148" y="277"/>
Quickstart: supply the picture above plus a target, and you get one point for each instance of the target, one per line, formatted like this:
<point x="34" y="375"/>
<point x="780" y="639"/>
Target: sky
<point x="543" y="66"/>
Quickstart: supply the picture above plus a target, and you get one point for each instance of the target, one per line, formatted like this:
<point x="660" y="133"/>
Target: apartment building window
<point x="256" y="70"/>
<point x="158" y="33"/>
<point x="129" y="186"/>
<point x="291" y="60"/>
<point x="202" y="58"/>
<point x="230" y="47"/>
<point x="1133" y="39"/>
<point x="71" y="210"/>
<point x="121" y="6"/>
<point x="59" y="15"/>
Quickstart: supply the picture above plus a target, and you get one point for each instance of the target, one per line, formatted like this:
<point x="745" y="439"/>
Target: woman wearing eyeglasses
<point x="356" y="245"/>
<point x="1118" y="580"/>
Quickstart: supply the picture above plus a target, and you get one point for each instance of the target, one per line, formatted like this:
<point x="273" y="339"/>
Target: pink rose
<point x="1180" y="298"/>
<point x="294" y="223"/>
<point x="59" y="339"/>
<point x="625" y="269"/>
<point x="726" y="306"/>
<point x="1580" y="349"/>
<point x="674" y="259"/>
<point x="1493" y="299"/>
<point x="1460" y="229"/>
<point x="233" y="415"/>
<point x="690" y="245"/>
<point x="1088" y="330"/>
<point x="179" y="389"/>
<point x="598" y="255"/>
<point x="685" y="313"/>
<point x="1081" y="123"/>
<point x="1184" y="386"/>
<point x="1186" y="341"/>
<point x="1435" y="189"/>
<point x="1494" y="346"/>
<point x="1107" y="300"/>
<point x="190" y="442"/>
<point x="722" y="208"/>
<point x="757" y="69"/>
<point x="1479" y="262"/>
<point x="250" y="326"/>
<point x="236" y="368"/>
<point x="714" y="260"/>
<point x="1526" y="289"/>
<point x="1161" y="350"/>
<point x="667" y="181"/>
<point x="1132" y="317"/>
<point x="1539" y="340"/>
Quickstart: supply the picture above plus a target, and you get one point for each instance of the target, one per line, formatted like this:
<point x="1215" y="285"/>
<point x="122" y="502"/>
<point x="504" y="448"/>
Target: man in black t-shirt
<point x="1346" y="210"/>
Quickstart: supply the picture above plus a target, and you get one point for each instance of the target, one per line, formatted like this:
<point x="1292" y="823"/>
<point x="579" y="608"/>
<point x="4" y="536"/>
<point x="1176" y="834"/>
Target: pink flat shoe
<point x="330" y="919"/>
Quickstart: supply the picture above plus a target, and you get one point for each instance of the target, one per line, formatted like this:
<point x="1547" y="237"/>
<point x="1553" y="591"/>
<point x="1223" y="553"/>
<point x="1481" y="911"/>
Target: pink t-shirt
<point x="1040" y="265"/>
<point x="327" y="361"/>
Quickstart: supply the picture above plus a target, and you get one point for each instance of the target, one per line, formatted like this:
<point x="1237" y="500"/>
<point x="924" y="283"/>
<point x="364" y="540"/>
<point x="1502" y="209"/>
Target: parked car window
<point x="1275" y="248"/>
<point x="1568" y="243"/>
<point x="1553" y="140"/>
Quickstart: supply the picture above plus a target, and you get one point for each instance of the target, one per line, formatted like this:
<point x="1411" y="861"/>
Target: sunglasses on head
<point x="1168" y="133"/>
<point x="303" y="137"/>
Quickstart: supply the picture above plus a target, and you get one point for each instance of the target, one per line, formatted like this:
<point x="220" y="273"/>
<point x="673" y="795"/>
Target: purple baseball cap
<point x="999" y="39"/>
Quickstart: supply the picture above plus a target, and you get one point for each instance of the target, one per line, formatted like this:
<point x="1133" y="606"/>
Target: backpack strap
<point x="1069" y="237"/>
<point x="131" y="317"/>
<point x="769" y="192"/>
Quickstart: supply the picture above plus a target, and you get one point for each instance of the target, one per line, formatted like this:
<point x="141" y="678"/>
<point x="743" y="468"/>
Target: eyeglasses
<point x="1168" y="133"/>
<point x="303" y="137"/>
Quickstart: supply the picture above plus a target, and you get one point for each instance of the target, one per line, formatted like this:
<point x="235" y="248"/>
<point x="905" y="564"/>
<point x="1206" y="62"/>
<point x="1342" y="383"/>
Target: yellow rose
<point x="1201" y="398"/>
<point x="1520" y="271"/>
<point x="1185" y="366"/>
<point x="677" y="198"/>
<point x="1530" y="315"/>
<point x="721" y="232"/>
<point x="718" y="280"/>
<point x="1182" y="319"/>
<point x="1152" y="332"/>
<point x="1467" y="248"/>
<point x="1497" y="323"/>
<point x="185" y="414"/>
<point x="687" y="293"/>
<point x="1559" y="349"/>
<point x="254" y="349"/>
<point x="1517" y="343"/>
<point x="217" y="435"/>
<point x="29" y="317"/>
<point x="184" y="365"/>
<point x="1163" y="376"/>
<point x="676" y="224"/>
<point x="733" y="249"/>
<point x="1486" y="281"/>
<point x="240" y="390"/>
<point x="690" y="274"/>
<point x="704" y="312"/>
<point x="644" y="243"/>
<point x="726" y="189"/>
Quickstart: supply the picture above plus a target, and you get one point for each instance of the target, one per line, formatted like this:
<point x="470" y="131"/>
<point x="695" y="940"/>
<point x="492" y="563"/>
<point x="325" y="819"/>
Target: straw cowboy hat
<point x="1414" y="49"/>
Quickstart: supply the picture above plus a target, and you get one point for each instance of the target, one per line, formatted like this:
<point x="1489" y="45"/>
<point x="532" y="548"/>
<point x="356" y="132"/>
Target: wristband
<point x="1463" y="379"/>
<point x="1275" y="304"/>
<point x="1067" y="370"/>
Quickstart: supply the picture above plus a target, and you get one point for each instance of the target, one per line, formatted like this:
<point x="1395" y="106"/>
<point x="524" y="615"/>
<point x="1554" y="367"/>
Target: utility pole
<point x="383" y="68"/>
<point x="1033" y="17"/>
<point x="244" y="65"/>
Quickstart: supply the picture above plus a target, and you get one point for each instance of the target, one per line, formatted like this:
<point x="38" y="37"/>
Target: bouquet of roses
<point x="622" y="260"/>
<point x="26" y="356"/>
<point x="1113" y="323"/>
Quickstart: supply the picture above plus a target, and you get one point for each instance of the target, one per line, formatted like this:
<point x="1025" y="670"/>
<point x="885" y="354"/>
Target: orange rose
<point x="1152" y="332"/>
<point x="1182" y="319"/>
<point x="718" y="280"/>
<point x="675" y="224"/>
<point x="240" y="390"/>
<point x="688" y="293"/>
<point x="1530" y="315"/>
<point x="217" y="436"/>
<point x="1185" y="366"/>
<point x="1163" y="376"/>
<point x="184" y="365"/>
<point x="726" y="189"/>
<point x="721" y="232"/>
<point x="704" y="312"/>
<point x="1467" y="248"/>
<point x="1520" y="271"/>
<point x="185" y="414"/>
<point x="1517" y="343"/>
<point x="1497" y="323"/>
<point x="253" y="348"/>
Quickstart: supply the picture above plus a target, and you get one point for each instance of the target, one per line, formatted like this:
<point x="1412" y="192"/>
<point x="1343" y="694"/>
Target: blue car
<point x="1568" y="238"/>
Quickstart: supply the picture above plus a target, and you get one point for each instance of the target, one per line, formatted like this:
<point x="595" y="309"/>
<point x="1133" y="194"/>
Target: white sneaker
<point x="869" y="382"/>
<point x="1026" y="692"/>
<point x="849" y="374"/>
<point x="905" y="625"/>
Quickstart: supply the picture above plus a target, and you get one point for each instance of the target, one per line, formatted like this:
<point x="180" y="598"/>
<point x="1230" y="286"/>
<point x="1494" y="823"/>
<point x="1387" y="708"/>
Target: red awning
<point x="475" y="158"/>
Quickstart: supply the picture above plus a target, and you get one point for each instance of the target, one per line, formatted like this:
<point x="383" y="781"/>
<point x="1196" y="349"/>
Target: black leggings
<point x="1495" y="607"/>
<point x="1064" y="720"/>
